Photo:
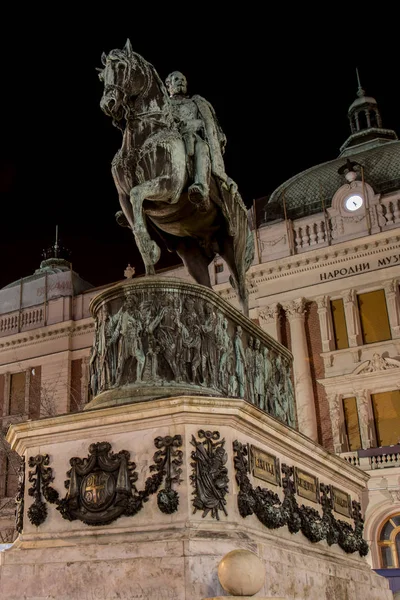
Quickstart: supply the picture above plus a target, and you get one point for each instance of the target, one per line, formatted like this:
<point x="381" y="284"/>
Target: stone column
<point x="27" y="386"/>
<point x="6" y="404"/>
<point x="270" y="320"/>
<point x="325" y="323"/>
<point x="336" y="420"/>
<point x="393" y="306"/>
<point x="364" y="418"/>
<point x="85" y="380"/>
<point x="352" y="318"/>
<point x="301" y="366"/>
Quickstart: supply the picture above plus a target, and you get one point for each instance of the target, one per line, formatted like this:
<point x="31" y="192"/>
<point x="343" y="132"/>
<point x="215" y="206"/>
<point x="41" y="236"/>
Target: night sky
<point x="280" y="90"/>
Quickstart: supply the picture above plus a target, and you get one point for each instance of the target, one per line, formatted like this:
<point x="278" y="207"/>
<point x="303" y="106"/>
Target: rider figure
<point x="203" y="137"/>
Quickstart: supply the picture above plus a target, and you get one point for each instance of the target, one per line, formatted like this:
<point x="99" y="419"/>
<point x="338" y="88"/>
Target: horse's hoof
<point x="198" y="197"/>
<point x="155" y="253"/>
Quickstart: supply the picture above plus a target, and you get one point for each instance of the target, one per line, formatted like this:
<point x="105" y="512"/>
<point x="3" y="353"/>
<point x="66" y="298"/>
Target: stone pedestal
<point x="187" y="452"/>
<point x="166" y="537"/>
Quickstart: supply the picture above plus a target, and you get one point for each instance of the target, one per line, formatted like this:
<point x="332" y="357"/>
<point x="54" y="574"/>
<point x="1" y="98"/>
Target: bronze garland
<point x="40" y="478"/>
<point x="274" y="513"/>
<point x="19" y="498"/>
<point x="168" y="460"/>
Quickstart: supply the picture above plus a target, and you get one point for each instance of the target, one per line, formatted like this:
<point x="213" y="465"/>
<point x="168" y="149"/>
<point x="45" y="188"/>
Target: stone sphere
<point x="241" y="573"/>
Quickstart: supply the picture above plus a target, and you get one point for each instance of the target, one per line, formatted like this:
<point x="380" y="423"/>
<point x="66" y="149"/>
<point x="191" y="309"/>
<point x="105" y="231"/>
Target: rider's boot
<point x="199" y="191"/>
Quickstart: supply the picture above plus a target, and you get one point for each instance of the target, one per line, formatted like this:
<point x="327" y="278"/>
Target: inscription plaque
<point x="307" y="485"/>
<point x="265" y="466"/>
<point x="341" y="502"/>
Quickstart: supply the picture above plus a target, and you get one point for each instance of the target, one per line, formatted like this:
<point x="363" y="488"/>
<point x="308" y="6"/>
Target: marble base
<point x="158" y="556"/>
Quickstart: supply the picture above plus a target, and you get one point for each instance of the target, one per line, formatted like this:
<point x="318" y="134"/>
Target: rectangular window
<point x="219" y="267"/>
<point x="374" y="317"/>
<point x="339" y="324"/>
<point x="2" y="386"/>
<point x="75" y="390"/>
<point x="352" y="424"/>
<point x="17" y="394"/>
<point x="34" y="392"/>
<point x="386" y="407"/>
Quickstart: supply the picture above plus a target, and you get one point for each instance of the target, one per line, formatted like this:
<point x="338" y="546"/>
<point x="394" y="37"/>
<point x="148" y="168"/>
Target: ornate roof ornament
<point x="360" y="91"/>
<point x="365" y="124"/>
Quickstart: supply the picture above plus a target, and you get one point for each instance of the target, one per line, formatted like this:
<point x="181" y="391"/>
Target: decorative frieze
<point x="161" y="333"/>
<point x="376" y="364"/>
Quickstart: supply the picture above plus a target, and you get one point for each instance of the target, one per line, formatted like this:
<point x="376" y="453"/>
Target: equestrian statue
<point x="170" y="173"/>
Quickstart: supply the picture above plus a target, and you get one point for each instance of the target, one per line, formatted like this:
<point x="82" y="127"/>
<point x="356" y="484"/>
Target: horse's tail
<point x="249" y="251"/>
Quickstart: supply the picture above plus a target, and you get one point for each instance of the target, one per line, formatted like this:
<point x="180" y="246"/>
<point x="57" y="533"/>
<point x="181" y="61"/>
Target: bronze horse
<point x="152" y="174"/>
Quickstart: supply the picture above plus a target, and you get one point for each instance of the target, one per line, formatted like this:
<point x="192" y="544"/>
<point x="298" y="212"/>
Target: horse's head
<point x="124" y="78"/>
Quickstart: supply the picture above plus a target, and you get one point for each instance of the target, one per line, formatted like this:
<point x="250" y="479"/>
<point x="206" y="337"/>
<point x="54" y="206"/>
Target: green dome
<point x="381" y="170"/>
<point x="375" y="149"/>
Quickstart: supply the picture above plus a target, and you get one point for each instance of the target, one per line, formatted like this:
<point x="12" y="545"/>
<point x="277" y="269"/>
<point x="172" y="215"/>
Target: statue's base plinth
<point x="165" y="538"/>
<point x="147" y="391"/>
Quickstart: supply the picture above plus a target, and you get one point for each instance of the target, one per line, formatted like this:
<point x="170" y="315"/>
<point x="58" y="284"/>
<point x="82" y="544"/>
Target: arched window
<point x="389" y="543"/>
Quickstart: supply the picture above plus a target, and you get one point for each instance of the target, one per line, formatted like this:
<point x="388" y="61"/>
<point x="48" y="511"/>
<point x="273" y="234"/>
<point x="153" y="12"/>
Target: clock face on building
<point x="353" y="202"/>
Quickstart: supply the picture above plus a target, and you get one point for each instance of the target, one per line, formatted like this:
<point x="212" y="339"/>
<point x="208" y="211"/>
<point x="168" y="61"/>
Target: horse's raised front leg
<point x="148" y="249"/>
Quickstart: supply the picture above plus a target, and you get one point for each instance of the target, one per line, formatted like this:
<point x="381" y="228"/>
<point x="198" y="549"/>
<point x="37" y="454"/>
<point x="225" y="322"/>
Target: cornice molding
<point x="35" y="337"/>
<point x="310" y="261"/>
<point x="376" y="381"/>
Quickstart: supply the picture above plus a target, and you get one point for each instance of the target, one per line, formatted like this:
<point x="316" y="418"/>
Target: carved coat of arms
<point x="99" y="486"/>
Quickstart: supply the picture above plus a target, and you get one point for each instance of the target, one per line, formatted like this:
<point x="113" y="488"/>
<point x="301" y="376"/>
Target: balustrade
<point x="391" y="211"/>
<point x="310" y="233"/>
<point x="26" y="319"/>
<point x="351" y="457"/>
<point x="380" y="460"/>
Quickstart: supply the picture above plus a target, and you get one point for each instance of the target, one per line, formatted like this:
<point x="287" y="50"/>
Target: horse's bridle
<point x="147" y="82"/>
